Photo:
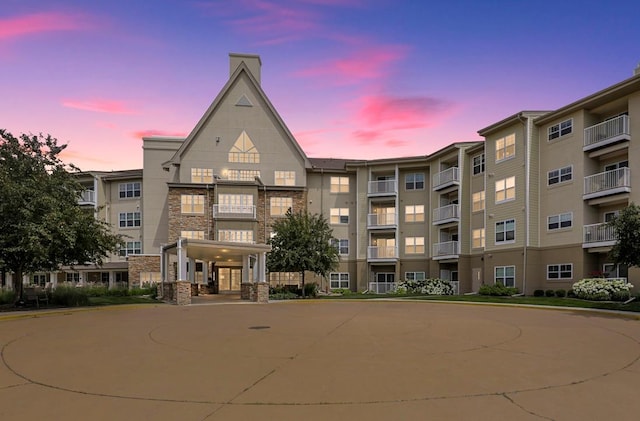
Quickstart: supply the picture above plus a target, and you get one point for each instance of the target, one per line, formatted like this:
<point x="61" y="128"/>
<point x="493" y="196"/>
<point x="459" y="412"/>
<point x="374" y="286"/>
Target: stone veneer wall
<point x="141" y="263"/>
<point x="188" y="222"/>
<point x="299" y="199"/>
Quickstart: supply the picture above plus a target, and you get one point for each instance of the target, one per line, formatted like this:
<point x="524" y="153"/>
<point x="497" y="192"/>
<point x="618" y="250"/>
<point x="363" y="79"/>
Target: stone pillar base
<point x="245" y="291"/>
<point x="262" y="292"/>
<point x="183" y="293"/>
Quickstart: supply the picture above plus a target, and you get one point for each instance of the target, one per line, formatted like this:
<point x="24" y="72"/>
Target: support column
<point x="182" y="262"/>
<point x="112" y="279"/>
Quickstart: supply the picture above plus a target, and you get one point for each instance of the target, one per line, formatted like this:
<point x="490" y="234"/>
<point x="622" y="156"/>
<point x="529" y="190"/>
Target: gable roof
<point x="242" y="68"/>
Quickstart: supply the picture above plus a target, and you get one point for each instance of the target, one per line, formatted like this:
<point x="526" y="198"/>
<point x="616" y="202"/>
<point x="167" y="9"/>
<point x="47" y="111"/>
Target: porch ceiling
<point x="218" y="251"/>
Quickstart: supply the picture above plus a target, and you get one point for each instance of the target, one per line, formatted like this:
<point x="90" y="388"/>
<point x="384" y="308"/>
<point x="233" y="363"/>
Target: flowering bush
<point x="600" y="289"/>
<point x="497" y="290"/>
<point x="425" y="286"/>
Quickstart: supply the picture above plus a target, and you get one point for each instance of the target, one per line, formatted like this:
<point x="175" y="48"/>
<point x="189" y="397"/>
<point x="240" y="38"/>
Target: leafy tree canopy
<point x="302" y="242"/>
<point x="626" y="251"/>
<point x="41" y="224"/>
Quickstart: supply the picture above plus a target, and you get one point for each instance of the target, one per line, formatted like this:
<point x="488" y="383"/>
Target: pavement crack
<point x="507" y="397"/>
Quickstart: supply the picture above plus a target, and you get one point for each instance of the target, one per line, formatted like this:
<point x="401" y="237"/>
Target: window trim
<point x="479" y="166"/>
<point x="340" y="280"/>
<point x="339" y="185"/>
<point x="415" y="246"/>
<point x="560" y="272"/>
<point x="560" y="175"/>
<point x="505" y="148"/>
<point x="482" y="202"/>
<point x="192" y="205"/>
<point x="342" y="244"/>
<point x="506" y="190"/>
<point x="559" y="216"/>
<point x="505" y="241"/>
<point x="482" y="238"/>
<point x="504" y="277"/>
<point x="283" y="177"/>
<point x="339" y="216"/>
<point x="414" y="278"/>
<point x="555" y="131"/>
<point x="414" y="183"/>
<point x="133" y="190"/>
<point x="414" y="215"/>
<point x="126" y="220"/>
<point x="202" y="175"/>
<point x="279" y="206"/>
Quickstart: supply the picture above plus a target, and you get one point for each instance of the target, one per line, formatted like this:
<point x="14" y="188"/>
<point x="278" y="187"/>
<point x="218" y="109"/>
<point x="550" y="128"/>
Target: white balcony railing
<point x="384" y="252"/>
<point x="234" y="211"/>
<point x="449" y="213"/>
<point x="447" y="248"/>
<point x="382" y="287"/>
<point x="607" y="132"/>
<point x="598" y="234"/>
<point x="375" y="220"/>
<point x="87" y="196"/>
<point x="383" y="187"/>
<point x="608" y="182"/>
<point x="445" y="178"/>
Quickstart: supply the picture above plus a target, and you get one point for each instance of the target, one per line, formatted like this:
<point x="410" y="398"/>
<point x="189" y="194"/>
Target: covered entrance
<point x="229" y="279"/>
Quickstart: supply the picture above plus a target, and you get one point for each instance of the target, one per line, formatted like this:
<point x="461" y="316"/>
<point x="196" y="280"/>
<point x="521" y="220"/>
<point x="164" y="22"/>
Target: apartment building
<point x="527" y="206"/>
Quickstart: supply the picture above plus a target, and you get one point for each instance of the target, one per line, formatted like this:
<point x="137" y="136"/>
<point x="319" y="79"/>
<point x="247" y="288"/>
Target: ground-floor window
<point x="506" y="275"/>
<point x="149" y="278"/>
<point x="39" y="279"/>
<point x="561" y="271"/>
<point x="72" y="277"/>
<point x="339" y="280"/>
<point x="414" y="276"/>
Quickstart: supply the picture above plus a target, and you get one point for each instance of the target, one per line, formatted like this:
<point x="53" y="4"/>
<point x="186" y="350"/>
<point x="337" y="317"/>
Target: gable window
<point x="414" y="181"/>
<point x="505" y="147"/>
<point x="414" y="213"/>
<point x="341" y="245"/>
<point x="564" y="220"/>
<point x="414" y="276"/>
<point x="339" y="184"/>
<point x="560" y="175"/>
<point x="280" y="205"/>
<point x="414" y="245"/>
<point x="202" y="175"/>
<point x="339" y="215"/>
<point x="561" y="271"/>
<point x="192" y="203"/>
<point x="506" y="231"/>
<point x="235" y="236"/>
<point x="129" y="219"/>
<point x="285" y="178"/>
<point x="478" y="164"/>
<point x="506" y="189"/>
<point x="131" y="247"/>
<point x="339" y="280"/>
<point x="478" y="238"/>
<point x="506" y="275"/>
<point x="560" y="129"/>
<point x="478" y="201"/>
<point x="128" y="190"/>
<point x="192" y="235"/>
<point x="243" y="150"/>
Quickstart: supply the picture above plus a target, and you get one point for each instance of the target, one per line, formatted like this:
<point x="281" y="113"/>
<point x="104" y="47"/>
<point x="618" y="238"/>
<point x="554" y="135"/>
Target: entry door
<point x="476" y="275"/>
<point x="229" y="279"/>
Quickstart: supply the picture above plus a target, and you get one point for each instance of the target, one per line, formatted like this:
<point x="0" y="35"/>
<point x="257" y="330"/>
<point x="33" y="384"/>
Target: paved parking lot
<point x="319" y="360"/>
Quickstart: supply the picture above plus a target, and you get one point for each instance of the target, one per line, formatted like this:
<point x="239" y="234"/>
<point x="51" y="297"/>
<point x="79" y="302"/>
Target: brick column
<point x="245" y="291"/>
<point x="183" y="293"/>
<point x="262" y="292"/>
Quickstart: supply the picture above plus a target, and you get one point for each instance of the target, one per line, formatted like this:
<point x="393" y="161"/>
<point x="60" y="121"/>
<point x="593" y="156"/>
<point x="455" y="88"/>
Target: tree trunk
<point x="302" y="273"/>
<point x="16" y="280"/>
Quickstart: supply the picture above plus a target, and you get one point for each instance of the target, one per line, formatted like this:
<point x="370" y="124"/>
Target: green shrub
<point x="283" y="295"/>
<point x="68" y="296"/>
<point x="571" y="293"/>
<point x="343" y="291"/>
<point x="310" y="289"/>
<point x="498" y="290"/>
<point x="7" y="297"/>
<point x="561" y="293"/>
<point x="549" y="293"/>
<point x="538" y="293"/>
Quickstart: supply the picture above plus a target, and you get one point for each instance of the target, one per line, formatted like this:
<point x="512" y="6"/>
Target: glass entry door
<point x="229" y="279"/>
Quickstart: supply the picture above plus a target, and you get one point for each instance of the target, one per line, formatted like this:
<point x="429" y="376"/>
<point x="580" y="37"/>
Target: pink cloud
<point x="18" y="26"/>
<point x="68" y="155"/>
<point x="396" y="143"/>
<point x="402" y="112"/>
<point x="366" y="137"/>
<point x="98" y="106"/>
<point x="154" y="132"/>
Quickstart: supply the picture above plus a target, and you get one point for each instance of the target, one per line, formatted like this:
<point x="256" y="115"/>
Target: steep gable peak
<point x="252" y="61"/>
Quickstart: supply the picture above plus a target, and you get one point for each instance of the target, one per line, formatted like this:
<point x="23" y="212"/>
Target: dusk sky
<point x="356" y="79"/>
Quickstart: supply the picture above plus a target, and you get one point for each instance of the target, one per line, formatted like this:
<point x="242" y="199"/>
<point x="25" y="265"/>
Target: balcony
<point x="382" y="253"/>
<point x="607" y="183"/>
<point x="446" y="178"/>
<point x="383" y="188"/>
<point x="598" y="235"/>
<point x="606" y="133"/>
<point x="382" y="220"/>
<point x="234" y="211"/>
<point x="446" y="250"/>
<point x="87" y="197"/>
<point x="446" y="214"/>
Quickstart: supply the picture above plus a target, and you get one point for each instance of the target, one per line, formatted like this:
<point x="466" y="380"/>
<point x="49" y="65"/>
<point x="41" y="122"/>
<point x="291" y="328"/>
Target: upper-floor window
<point x="342" y="245"/>
<point x="477" y="200"/>
<point x="339" y="215"/>
<point x="414" y="213"/>
<point x="285" y="178"/>
<point x="414" y="181"/>
<point x="192" y="235"/>
<point x="563" y="220"/>
<point x="560" y="129"/>
<point x="242" y="175"/>
<point x="128" y="190"/>
<point x="129" y="219"/>
<point x="560" y="175"/>
<point x="192" y="203"/>
<point x="131" y="247"/>
<point x="414" y="245"/>
<point x="505" y="147"/>
<point x="506" y="231"/>
<point x="202" y="175"/>
<point x="506" y="189"/>
<point x="478" y="164"/>
<point x="236" y="236"/>
<point x="478" y="238"/>
<point x="243" y="150"/>
<point x="339" y="184"/>
<point x="561" y="271"/>
<point x="280" y="205"/>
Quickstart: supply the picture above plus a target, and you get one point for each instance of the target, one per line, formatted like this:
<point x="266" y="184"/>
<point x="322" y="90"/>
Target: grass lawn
<point x="115" y="300"/>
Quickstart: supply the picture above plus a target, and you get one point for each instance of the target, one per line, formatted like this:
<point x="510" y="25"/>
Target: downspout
<point x="527" y="152"/>
<point x="209" y="209"/>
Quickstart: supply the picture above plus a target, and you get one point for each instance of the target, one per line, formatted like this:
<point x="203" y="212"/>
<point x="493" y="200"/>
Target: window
<point x="560" y="129"/>
<point x="339" y="184"/>
<point x="242" y="175"/>
<point x="414" y="276"/>
<point x="506" y="231"/>
<point x="505" y="275"/>
<point x="193" y="235"/>
<point x="564" y="220"/>
<point x="414" y="181"/>
<point x="414" y="213"/>
<point x="235" y="204"/>
<point x="478" y="238"/>
<point x="339" y="280"/>
<point x="285" y="178"/>
<point x="341" y="245"/>
<point x="129" y="219"/>
<point x="506" y="189"/>
<point x="131" y="247"/>
<point x="414" y="245"/>
<point x="561" y="271"/>
<point x="339" y="216"/>
<point x="202" y="175"/>
<point x="235" y="236"/>
<point x="244" y="150"/>
<point x="128" y="190"/>
<point x="505" y="147"/>
<point x="560" y="175"/>
<point x="72" y="277"/>
<point x="478" y="164"/>
<point x="39" y="279"/>
<point x="280" y="205"/>
<point x="610" y="216"/>
<point x="149" y="278"/>
<point x="192" y="203"/>
<point x="478" y="201"/>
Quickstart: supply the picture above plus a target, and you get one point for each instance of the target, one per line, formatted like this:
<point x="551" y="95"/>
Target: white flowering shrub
<point x="425" y="286"/>
<point x="601" y="289"/>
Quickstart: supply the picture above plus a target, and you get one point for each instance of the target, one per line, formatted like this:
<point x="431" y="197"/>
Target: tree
<point x="626" y="225"/>
<point x="302" y="242"/>
<point x="41" y="224"/>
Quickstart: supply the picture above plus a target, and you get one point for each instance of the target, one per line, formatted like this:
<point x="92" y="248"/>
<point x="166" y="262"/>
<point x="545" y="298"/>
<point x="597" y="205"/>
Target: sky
<point x="360" y="79"/>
